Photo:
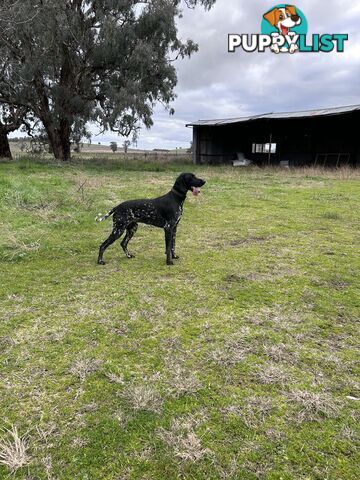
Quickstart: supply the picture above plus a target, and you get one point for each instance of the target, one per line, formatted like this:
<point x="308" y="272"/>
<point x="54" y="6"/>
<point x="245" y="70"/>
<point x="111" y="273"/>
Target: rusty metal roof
<point x="277" y="116"/>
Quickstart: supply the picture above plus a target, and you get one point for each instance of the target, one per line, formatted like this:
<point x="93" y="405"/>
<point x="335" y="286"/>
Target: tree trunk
<point x="61" y="146"/>
<point x="5" y="151"/>
<point x="59" y="139"/>
<point x="64" y="135"/>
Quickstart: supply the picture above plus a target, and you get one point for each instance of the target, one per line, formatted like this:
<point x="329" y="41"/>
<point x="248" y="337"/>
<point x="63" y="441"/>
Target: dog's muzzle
<point x="196" y="190"/>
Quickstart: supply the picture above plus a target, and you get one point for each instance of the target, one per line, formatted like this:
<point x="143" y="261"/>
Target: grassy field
<point x="20" y="147"/>
<point x="237" y="363"/>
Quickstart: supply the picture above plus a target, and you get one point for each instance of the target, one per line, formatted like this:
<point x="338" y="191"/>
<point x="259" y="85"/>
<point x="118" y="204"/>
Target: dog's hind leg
<point x="114" y="235"/>
<point x="130" y="232"/>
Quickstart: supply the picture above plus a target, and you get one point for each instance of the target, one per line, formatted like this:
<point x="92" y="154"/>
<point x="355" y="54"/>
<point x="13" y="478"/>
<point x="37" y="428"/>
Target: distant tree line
<point x="64" y="64"/>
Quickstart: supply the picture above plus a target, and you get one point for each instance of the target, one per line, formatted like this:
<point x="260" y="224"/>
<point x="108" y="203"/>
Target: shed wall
<point x="329" y="140"/>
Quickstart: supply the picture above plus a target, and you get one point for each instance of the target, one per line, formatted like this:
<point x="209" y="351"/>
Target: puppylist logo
<point x="283" y="30"/>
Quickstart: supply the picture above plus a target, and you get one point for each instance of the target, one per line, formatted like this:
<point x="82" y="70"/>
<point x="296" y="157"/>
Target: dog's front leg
<point x="173" y="254"/>
<point x="168" y="244"/>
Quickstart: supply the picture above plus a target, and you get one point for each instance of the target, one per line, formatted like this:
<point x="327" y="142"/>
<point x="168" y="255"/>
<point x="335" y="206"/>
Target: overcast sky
<point x="216" y="84"/>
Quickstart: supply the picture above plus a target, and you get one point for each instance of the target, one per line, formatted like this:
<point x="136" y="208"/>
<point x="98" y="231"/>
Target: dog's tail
<point x="100" y="218"/>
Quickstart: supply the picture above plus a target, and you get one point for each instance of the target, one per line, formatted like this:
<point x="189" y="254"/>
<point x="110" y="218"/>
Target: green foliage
<point x="240" y="362"/>
<point x="113" y="146"/>
<point x="106" y="61"/>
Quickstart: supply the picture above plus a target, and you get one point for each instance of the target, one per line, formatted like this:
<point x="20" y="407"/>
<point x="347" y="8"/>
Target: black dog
<point x="164" y="212"/>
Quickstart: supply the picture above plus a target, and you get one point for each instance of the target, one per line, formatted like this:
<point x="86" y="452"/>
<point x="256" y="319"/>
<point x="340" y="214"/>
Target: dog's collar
<point x="181" y="195"/>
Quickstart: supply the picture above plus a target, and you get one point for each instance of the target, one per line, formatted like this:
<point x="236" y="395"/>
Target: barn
<point x="327" y="137"/>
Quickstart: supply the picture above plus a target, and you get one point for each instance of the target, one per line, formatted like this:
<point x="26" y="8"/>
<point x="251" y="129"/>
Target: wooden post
<point x="269" y="157"/>
<point x="195" y="146"/>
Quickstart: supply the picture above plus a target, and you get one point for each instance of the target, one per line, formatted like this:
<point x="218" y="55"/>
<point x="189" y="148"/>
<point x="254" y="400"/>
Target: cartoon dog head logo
<point x="282" y="19"/>
<point x="284" y="28"/>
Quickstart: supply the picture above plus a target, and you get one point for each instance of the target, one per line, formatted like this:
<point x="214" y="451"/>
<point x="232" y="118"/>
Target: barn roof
<point x="277" y="116"/>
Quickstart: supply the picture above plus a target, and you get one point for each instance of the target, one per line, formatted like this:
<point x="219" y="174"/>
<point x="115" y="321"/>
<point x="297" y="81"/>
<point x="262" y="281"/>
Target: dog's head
<point x="188" y="182"/>
<point x="283" y="18"/>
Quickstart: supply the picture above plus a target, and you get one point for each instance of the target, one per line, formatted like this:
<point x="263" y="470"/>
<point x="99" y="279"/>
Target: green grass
<point x="237" y="363"/>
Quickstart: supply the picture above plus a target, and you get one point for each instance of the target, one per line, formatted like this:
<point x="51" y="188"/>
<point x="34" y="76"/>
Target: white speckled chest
<point x="179" y="214"/>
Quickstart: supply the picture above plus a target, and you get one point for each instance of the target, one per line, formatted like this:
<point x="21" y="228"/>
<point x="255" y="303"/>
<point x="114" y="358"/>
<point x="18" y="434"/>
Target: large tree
<point x="106" y="61"/>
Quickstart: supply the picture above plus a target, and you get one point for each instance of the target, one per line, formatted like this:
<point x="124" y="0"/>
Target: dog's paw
<point x="169" y="262"/>
<point x="175" y="257"/>
<point x="101" y="262"/>
<point x="275" y="48"/>
<point x="130" y="255"/>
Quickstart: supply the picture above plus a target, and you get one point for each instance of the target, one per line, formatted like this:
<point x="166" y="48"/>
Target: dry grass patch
<point x="143" y="397"/>
<point x="119" y="379"/>
<point x="79" y="442"/>
<point x="271" y="373"/>
<point x="47" y="462"/>
<point x="229" y="471"/>
<point x="6" y="342"/>
<point x="313" y="406"/>
<point x="181" y="381"/>
<point x="47" y="432"/>
<point x="172" y="344"/>
<point x="269" y="276"/>
<point x="183" y="440"/>
<point x="14" y="450"/>
<point x="275" y="435"/>
<point x="349" y="434"/>
<point x="281" y="352"/>
<point x="259" y="469"/>
<point x="276" y="317"/>
<point x="261" y="406"/>
<point x="234" y="351"/>
<point x="254" y="412"/>
<point x="84" y="367"/>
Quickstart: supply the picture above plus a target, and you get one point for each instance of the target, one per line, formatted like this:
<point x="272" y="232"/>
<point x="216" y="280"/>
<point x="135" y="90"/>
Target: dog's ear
<point x="181" y="183"/>
<point x="291" y="9"/>
<point x="272" y="16"/>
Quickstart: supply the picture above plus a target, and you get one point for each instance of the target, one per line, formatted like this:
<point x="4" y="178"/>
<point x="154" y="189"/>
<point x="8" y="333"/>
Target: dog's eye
<point x="281" y="17"/>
